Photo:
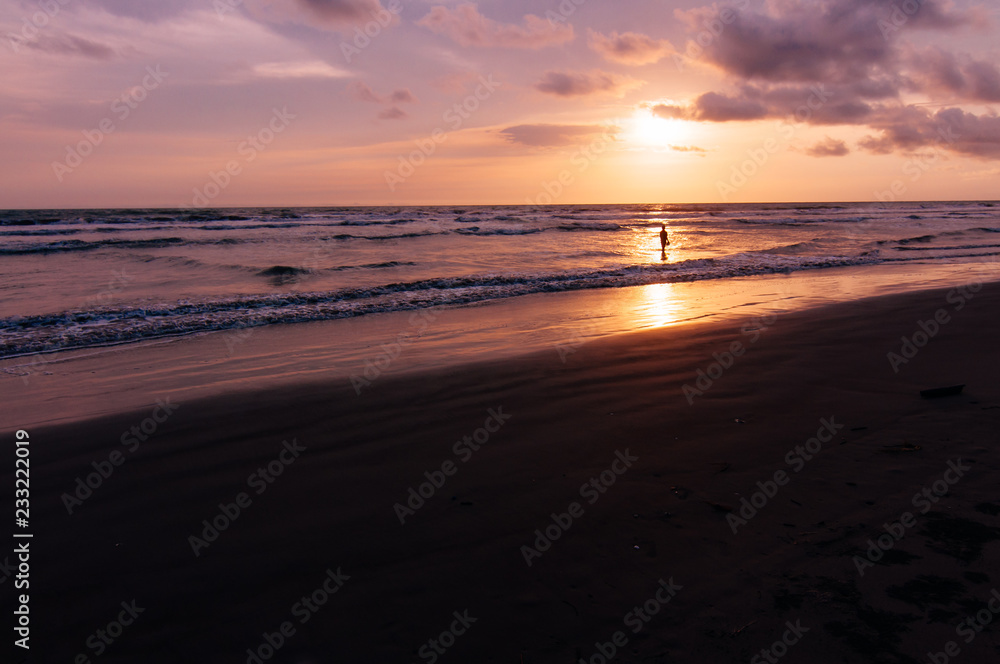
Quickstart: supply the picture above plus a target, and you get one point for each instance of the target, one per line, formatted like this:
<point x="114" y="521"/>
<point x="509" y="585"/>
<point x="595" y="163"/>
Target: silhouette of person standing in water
<point x="664" y="241"/>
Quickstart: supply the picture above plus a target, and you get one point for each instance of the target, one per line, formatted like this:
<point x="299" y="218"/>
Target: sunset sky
<point x="149" y="102"/>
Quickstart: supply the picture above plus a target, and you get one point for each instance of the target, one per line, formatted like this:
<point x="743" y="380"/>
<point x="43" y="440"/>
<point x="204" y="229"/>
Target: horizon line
<point x="537" y="205"/>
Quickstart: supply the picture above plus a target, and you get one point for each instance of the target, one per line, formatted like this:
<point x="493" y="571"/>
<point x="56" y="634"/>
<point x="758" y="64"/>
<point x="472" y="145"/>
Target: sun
<point x="652" y="131"/>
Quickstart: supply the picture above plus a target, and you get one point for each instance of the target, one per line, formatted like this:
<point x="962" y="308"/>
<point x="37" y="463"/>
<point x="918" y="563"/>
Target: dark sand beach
<point x="668" y="475"/>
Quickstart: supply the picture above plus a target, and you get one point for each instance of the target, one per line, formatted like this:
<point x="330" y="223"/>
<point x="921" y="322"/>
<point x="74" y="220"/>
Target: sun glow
<point x="649" y="130"/>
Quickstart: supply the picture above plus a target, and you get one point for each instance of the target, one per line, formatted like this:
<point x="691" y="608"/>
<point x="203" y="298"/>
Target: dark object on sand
<point x="938" y="392"/>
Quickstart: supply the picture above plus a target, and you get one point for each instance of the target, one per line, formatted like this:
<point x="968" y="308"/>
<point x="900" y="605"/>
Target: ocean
<point x="82" y="278"/>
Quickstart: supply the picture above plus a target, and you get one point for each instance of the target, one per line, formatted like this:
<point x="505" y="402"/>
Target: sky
<point x="228" y="103"/>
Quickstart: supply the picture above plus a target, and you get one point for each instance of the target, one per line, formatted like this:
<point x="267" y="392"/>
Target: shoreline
<point x="556" y="428"/>
<point x="78" y="384"/>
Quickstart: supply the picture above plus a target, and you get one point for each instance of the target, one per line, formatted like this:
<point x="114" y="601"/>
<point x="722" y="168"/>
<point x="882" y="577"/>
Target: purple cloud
<point x="316" y="13"/>
<point x="940" y="73"/>
<point x="576" y="84"/>
<point x="913" y="129"/>
<point x="835" y="62"/>
<point x="630" y="48"/>
<point x="345" y="11"/>
<point x="835" y="41"/>
<point x="715" y="107"/>
<point x="828" y="147"/>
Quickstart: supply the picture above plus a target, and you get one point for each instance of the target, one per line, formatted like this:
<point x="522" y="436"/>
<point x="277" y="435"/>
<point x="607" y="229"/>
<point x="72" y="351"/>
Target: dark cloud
<point x="904" y="128"/>
<point x="574" y="84"/>
<point x="552" y="135"/>
<point x="467" y="27"/>
<point x="933" y="15"/>
<point x="829" y="147"/>
<point x="816" y="104"/>
<point x="806" y="42"/>
<point x="321" y="14"/>
<point x="836" y="41"/>
<point x="715" y="107"/>
<point x="977" y="135"/>
<point x="952" y="129"/>
<point x="630" y="48"/>
<point x="875" y="87"/>
<point x="985" y="80"/>
<point x="941" y="73"/>
<point x="898" y="128"/>
<point x="841" y="62"/>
